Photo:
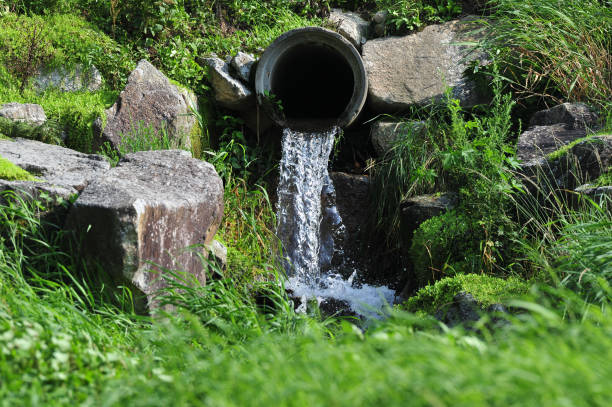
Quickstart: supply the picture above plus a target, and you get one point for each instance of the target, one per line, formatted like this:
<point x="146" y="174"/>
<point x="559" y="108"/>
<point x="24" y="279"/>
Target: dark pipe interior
<point x="313" y="82"/>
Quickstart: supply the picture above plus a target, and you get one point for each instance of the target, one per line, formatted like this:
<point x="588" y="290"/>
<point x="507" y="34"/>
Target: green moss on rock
<point x="487" y="290"/>
<point x="11" y="172"/>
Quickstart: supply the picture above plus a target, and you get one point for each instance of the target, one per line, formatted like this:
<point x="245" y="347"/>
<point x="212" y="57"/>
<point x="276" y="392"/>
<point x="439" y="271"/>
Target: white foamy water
<point x="303" y="175"/>
<point x="365" y="300"/>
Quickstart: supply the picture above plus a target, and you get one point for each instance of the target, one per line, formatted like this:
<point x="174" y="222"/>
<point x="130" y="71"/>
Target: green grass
<point x="11" y="172"/>
<point x="554" y="51"/>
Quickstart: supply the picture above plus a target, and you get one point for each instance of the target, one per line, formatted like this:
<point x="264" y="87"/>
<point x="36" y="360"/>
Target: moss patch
<point x="11" y="172"/>
<point x="485" y="289"/>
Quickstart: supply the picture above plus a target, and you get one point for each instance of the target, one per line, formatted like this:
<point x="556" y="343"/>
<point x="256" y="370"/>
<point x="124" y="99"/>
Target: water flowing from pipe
<point x="303" y="178"/>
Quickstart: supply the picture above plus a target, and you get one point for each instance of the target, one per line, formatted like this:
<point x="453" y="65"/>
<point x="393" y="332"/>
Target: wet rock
<point x="415" y="69"/>
<point x="63" y="173"/>
<point x="553" y="128"/>
<point x="352" y="194"/>
<point x="242" y="64"/>
<point x="229" y="92"/>
<point x="24" y="112"/>
<point x="149" y="99"/>
<point x="384" y="133"/>
<point x="351" y="26"/>
<point x="332" y="232"/>
<point x="69" y="80"/>
<point x="156" y="208"/>
<point x="418" y="209"/>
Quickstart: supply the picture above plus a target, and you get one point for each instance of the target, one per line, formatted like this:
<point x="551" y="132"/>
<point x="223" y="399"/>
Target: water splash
<point x="309" y="247"/>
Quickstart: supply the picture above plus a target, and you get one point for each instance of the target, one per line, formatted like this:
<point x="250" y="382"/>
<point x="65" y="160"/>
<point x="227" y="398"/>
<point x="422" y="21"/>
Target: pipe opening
<point x="311" y="78"/>
<point x="314" y="84"/>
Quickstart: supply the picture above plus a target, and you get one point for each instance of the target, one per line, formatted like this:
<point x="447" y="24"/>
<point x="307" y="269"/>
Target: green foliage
<point x="487" y="290"/>
<point x="142" y="137"/>
<point x="411" y="15"/>
<point x="471" y="157"/>
<point x="48" y="132"/>
<point x="11" y="172"/>
<point x="71" y="41"/>
<point x="70" y="112"/>
<point x="445" y="245"/>
<point x="555" y="50"/>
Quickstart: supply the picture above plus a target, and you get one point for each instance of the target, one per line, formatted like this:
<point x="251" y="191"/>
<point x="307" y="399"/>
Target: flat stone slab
<point x="156" y="208"/>
<point x="63" y="172"/>
<point x="415" y="69"/>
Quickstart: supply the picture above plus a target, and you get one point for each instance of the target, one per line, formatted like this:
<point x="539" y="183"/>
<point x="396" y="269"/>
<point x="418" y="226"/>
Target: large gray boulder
<point x="415" y="69"/>
<point x="24" y="112"/>
<point x="351" y="26"/>
<point x="553" y="128"/>
<point x="148" y="99"/>
<point x="384" y="133"/>
<point x="229" y="92"/>
<point x="156" y="208"/>
<point x="62" y="172"/>
<point x="69" y="80"/>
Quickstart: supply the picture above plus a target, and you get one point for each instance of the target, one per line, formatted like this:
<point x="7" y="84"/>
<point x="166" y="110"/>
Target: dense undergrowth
<point x="66" y="338"/>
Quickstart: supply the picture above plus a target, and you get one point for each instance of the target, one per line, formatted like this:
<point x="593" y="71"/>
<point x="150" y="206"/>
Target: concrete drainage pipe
<point x="311" y="79"/>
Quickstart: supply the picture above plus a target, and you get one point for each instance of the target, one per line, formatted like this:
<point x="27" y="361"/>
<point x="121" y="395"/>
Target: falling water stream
<point x="303" y="178"/>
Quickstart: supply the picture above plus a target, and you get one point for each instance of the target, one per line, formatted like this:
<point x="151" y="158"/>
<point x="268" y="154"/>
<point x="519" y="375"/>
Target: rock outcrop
<point x="148" y="99"/>
<point x="562" y="130"/>
<point x="149" y="211"/>
<point x="24" y="112"/>
<point x="553" y="128"/>
<point x="62" y="172"/>
<point x="415" y="69"/>
<point x="69" y="80"/>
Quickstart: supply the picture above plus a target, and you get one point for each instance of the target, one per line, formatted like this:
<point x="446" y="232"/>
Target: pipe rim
<point x="324" y="36"/>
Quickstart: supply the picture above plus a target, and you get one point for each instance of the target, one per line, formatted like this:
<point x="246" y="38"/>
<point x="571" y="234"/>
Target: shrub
<point x="445" y="245"/>
<point x="487" y="290"/>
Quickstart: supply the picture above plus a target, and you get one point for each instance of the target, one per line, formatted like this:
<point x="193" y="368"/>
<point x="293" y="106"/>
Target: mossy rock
<point x="11" y="172"/>
<point x="487" y="290"/>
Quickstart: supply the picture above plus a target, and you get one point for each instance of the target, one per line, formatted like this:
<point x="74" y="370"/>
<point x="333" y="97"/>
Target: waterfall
<point x="303" y="181"/>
